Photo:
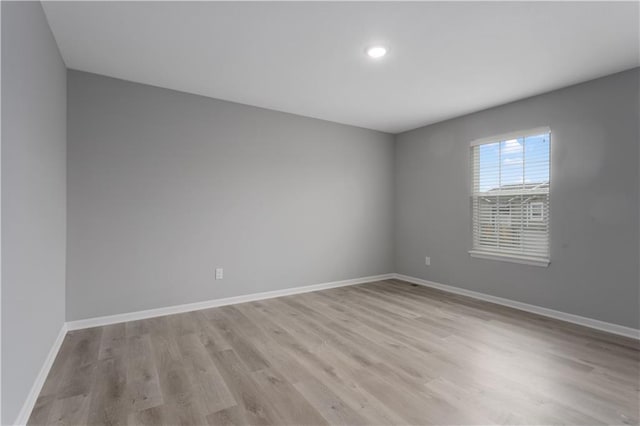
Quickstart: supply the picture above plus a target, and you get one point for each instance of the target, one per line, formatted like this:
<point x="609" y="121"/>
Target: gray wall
<point x="594" y="201"/>
<point x="33" y="198"/>
<point x="165" y="186"/>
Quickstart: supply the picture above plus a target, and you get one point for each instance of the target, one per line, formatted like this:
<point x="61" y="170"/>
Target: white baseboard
<point x="563" y="316"/>
<point x="177" y="309"/>
<point x="29" y="403"/>
<point x="32" y="397"/>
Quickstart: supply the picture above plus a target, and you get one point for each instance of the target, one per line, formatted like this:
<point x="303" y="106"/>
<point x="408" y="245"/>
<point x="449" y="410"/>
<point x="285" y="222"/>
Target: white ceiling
<point x="307" y="58"/>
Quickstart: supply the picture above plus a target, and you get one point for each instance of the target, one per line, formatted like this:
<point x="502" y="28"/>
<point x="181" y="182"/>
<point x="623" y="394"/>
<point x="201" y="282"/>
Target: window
<point x="536" y="211"/>
<point x="510" y="197"/>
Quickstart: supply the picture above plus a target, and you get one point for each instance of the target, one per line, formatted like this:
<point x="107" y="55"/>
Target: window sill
<point x="535" y="261"/>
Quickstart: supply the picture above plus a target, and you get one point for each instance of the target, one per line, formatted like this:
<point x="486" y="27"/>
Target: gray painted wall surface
<point x="165" y="186"/>
<point x="594" y="201"/>
<point x="33" y="198"/>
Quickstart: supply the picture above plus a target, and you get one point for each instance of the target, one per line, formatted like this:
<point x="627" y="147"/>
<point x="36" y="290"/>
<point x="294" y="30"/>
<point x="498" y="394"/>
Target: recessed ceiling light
<point x="377" y="51"/>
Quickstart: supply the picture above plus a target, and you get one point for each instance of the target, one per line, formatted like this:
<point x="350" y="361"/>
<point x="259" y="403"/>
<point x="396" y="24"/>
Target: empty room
<point x="320" y="213"/>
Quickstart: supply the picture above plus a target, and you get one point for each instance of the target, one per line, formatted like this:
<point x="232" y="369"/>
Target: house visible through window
<point x="536" y="211"/>
<point x="510" y="199"/>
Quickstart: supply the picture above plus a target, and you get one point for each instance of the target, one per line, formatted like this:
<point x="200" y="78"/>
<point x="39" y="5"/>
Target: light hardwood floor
<point x="379" y="353"/>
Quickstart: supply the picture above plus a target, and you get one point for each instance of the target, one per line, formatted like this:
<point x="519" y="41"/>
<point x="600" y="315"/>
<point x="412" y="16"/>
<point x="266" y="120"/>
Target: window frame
<point x="478" y="252"/>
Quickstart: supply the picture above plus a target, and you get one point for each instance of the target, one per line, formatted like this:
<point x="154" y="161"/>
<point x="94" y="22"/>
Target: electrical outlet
<point x="427" y="261"/>
<point x="219" y="273"/>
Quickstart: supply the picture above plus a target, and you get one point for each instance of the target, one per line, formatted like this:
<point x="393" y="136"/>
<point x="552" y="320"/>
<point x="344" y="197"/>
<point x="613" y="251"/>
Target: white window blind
<point x="510" y="198"/>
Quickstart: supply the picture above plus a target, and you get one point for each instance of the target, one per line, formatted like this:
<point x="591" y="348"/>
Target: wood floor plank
<point x="228" y="417"/>
<point x="110" y="402"/>
<point x="72" y="410"/>
<point x="240" y="343"/>
<point x="153" y="416"/>
<point x="335" y="410"/>
<point x="380" y="353"/>
<point x="290" y="404"/>
<point x="319" y="367"/>
<point x="211" y="388"/>
<point x="143" y="381"/>
<point x="255" y="408"/>
<point x="113" y="342"/>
